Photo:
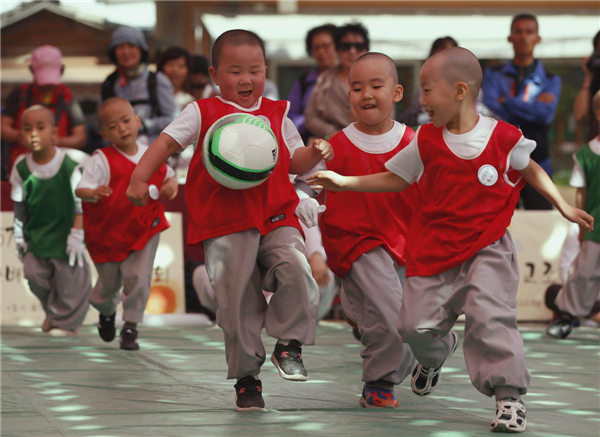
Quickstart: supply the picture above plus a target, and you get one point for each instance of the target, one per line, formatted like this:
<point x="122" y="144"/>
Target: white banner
<point x="167" y="294"/>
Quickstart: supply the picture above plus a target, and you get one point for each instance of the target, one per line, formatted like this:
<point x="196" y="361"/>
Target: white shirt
<point x="577" y="177"/>
<point x="185" y="129"/>
<point x="42" y="171"/>
<point x="97" y="170"/>
<point x="376" y="144"/>
<point x="408" y="165"/>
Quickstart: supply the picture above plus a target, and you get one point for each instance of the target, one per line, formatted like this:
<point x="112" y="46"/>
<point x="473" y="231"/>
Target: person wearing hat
<point x="150" y="93"/>
<point x="46" y="90"/>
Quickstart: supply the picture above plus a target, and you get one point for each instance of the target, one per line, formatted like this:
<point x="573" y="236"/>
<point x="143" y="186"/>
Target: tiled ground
<point x="175" y="386"/>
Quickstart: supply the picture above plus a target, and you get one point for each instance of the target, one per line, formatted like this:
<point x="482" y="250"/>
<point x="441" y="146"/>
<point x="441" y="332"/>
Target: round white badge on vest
<point x="487" y="175"/>
<point x="154" y="193"/>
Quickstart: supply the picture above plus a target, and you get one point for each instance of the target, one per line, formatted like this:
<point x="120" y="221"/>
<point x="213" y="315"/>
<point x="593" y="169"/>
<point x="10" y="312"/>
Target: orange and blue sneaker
<point x="377" y="397"/>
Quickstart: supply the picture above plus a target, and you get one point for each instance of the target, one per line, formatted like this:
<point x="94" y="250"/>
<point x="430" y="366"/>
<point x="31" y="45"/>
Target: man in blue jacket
<point x="524" y="94"/>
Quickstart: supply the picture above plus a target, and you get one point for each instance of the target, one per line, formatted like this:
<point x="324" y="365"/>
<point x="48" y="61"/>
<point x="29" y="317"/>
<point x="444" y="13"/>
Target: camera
<point x="594" y="62"/>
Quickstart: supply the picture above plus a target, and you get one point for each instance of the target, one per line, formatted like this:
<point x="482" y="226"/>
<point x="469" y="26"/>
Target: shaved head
<point x="236" y="37"/>
<point x="456" y="64"/>
<point x="105" y="105"/>
<point x="48" y="113"/>
<point x="382" y="63"/>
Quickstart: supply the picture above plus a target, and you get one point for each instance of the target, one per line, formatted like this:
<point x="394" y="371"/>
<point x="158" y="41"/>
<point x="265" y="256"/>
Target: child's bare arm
<point x="539" y="179"/>
<point x="581" y="197"/>
<point x="305" y="158"/>
<point x="91" y="195"/>
<point x="374" y="183"/>
<point x="78" y="221"/>
<point x="156" y="155"/>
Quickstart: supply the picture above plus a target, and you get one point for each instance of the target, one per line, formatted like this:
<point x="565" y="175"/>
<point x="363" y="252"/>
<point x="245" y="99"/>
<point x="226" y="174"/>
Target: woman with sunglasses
<point x="329" y="109"/>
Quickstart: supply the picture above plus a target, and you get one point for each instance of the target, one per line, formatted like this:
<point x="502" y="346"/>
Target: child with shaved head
<point x="251" y="238"/>
<point x="48" y="225"/>
<point x="122" y="239"/>
<point x="364" y="235"/>
<point x="468" y="171"/>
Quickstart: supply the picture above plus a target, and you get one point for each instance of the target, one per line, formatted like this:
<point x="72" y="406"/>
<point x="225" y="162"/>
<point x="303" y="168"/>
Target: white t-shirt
<point x="577" y="177"/>
<point x="97" y="170"/>
<point x="185" y="129"/>
<point x="376" y="144"/>
<point x="42" y="171"/>
<point x="408" y="165"/>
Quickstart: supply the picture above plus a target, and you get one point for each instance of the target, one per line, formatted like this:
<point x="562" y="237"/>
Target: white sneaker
<point x="424" y="380"/>
<point x="510" y="416"/>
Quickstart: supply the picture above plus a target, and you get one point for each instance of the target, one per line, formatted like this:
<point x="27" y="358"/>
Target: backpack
<point x="108" y="91"/>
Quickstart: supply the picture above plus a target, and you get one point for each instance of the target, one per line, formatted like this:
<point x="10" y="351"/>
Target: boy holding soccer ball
<point x="121" y="239"/>
<point x="252" y="239"/>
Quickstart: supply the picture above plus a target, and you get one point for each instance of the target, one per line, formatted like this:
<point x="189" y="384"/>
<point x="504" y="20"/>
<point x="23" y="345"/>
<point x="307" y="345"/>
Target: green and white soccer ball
<point x="240" y="151"/>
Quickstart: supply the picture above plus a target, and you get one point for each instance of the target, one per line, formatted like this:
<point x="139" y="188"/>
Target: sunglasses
<point x="358" y="46"/>
<point x="198" y="86"/>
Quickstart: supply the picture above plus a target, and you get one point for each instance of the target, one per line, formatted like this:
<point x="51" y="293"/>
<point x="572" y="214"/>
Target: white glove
<point x="75" y="248"/>
<point x="19" y="239"/>
<point x="308" y="211"/>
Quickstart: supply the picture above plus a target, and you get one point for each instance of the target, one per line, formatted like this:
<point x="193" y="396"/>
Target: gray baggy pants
<point x="484" y="289"/>
<point x="134" y="274"/>
<point x="582" y="289"/>
<point x="240" y="266"/>
<point x="373" y="291"/>
<point x="62" y="290"/>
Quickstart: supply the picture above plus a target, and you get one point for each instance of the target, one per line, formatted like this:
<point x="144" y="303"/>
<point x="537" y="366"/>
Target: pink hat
<point x="46" y="63"/>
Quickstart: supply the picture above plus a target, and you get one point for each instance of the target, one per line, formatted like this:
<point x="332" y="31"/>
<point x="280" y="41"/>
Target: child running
<point x="461" y="258"/>
<point x="581" y="291"/>
<point x="364" y="235"/>
<point x="122" y="239"/>
<point x="48" y="225"/>
<point x="251" y="238"/>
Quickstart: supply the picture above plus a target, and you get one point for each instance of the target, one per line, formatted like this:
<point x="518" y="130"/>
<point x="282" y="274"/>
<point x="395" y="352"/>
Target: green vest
<point x="590" y="163"/>
<point x="50" y="210"/>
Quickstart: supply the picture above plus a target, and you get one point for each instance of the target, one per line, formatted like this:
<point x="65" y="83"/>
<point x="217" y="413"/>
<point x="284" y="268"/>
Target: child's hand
<point x="580" y="217"/>
<point x="323" y="149"/>
<point x="319" y="269"/>
<point x="308" y="211"/>
<point x="137" y="193"/>
<point x="102" y="191"/>
<point x="327" y="180"/>
<point x="169" y="189"/>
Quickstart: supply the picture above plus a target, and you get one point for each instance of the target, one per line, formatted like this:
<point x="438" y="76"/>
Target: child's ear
<point x="55" y="135"/>
<point x="139" y="120"/>
<point x="398" y="93"/>
<point x="213" y="75"/>
<point x="461" y="90"/>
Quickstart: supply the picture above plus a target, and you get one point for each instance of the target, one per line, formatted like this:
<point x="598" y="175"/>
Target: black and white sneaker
<point x="248" y="395"/>
<point x="510" y="416"/>
<point x="106" y="327"/>
<point x="128" y="339"/>
<point x="424" y="380"/>
<point x="288" y="360"/>
<point x="562" y="326"/>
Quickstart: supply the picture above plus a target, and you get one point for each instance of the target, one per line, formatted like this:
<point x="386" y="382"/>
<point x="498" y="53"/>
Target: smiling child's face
<point x="241" y="74"/>
<point x="437" y="94"/>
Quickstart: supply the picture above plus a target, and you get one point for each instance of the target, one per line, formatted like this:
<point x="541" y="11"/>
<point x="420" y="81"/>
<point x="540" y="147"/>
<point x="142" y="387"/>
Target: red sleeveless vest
<point x="355" y="223"/>
<point x="215" y="210"/>
<point x="465" y="204"/>
<point x="113" y="225"/>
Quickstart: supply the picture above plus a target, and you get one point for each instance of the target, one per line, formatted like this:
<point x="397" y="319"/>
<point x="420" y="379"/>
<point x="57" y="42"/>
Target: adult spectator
<point x="47" y="90"/>
<point x="175" y="63"/>
<point x="200" y="83"/>
<point x="414" y="114"/>
<point x="328" y="110"/>
<point x="522" y="93"/>
<point x="150" y="94"/>
<point x="320" y="44"/>
<point x="589" y="88"/>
